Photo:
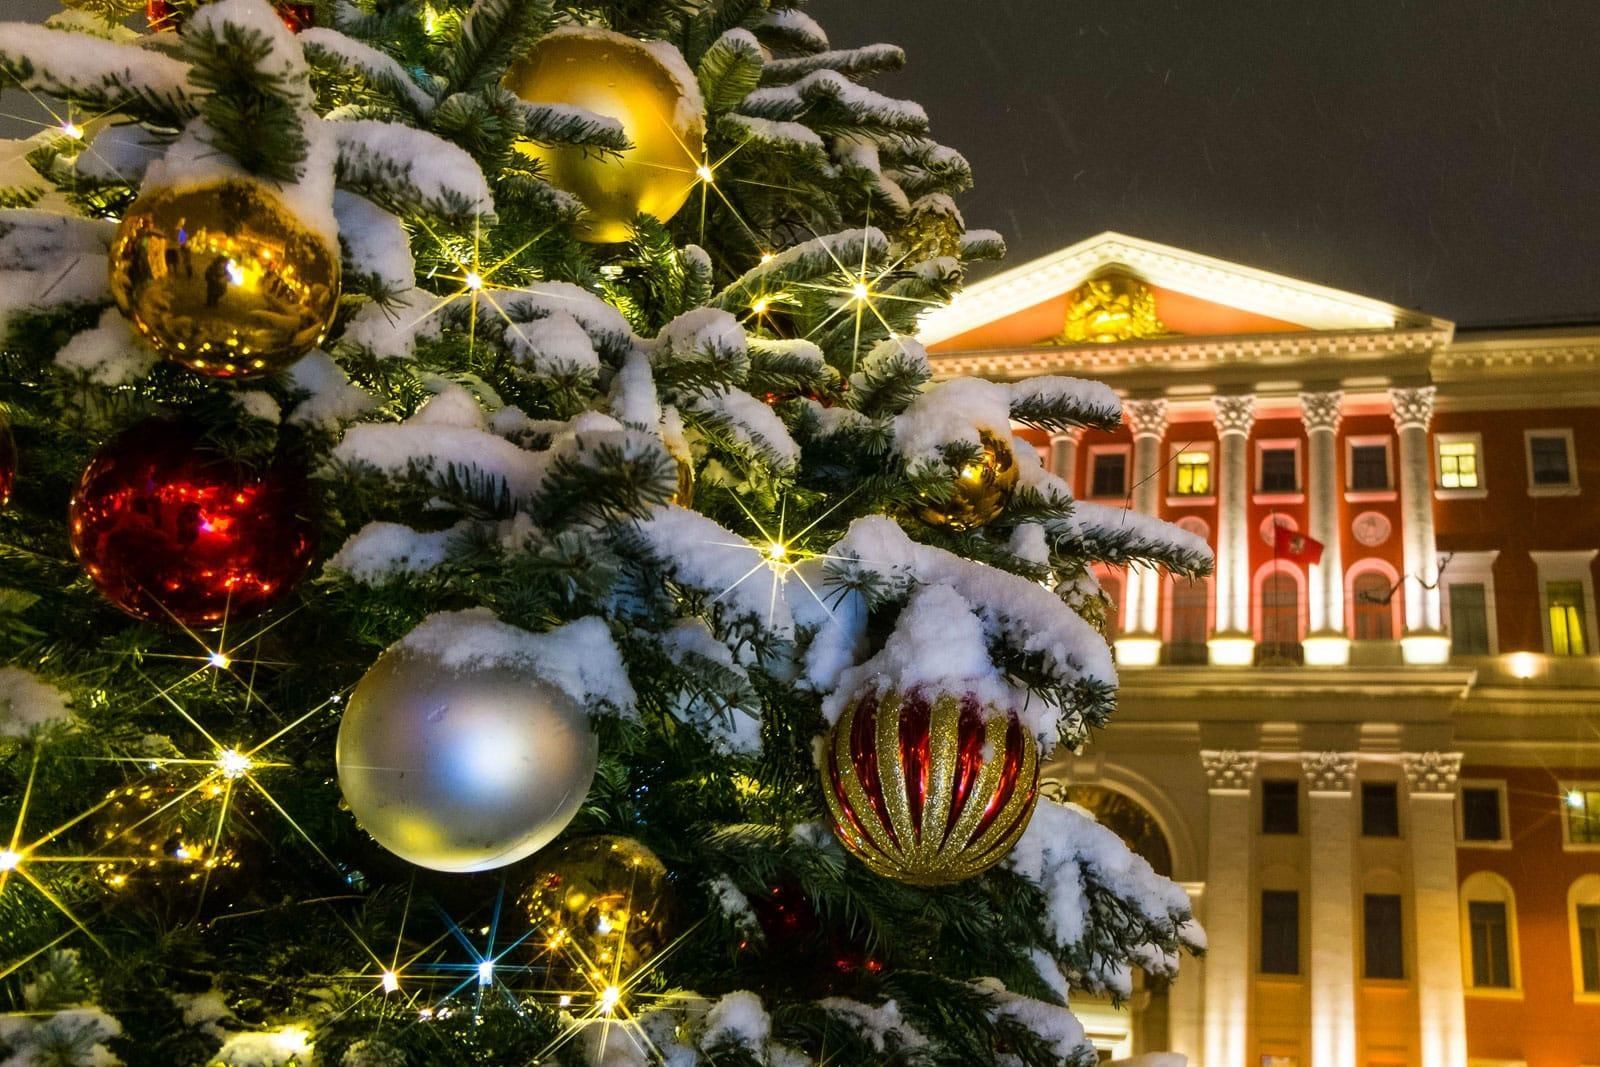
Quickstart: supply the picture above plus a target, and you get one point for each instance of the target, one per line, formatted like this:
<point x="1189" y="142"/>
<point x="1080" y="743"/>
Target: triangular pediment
<point x="1113" y="289"/>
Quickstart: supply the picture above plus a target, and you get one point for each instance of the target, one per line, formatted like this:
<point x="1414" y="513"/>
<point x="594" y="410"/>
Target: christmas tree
<point x="489" y="575"/>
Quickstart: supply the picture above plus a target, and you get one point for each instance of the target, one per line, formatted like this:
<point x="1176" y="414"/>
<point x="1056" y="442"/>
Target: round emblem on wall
<point x="1271" y="522"/>
<point x="1195" y="525"/>
<point x="1371" y="528"/>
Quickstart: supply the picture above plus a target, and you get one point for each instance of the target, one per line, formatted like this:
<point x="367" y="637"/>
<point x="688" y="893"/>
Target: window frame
<point x="1280" y="496"/>
<point x="1474" y="492"/>
<point x="1384" y="441"/>
<point x="1568" y="488"/>
<point x="1095" y="452"/>
<point x="1473" y="568"/>
<point x="1177" y="499"/>
<point x="1400" y="938"/>
<point x="1583" y="786"/>
<point x="1295" y="783"/>
<point x="1261" y="932"/>
<point x="1498" y="786"/>
<point x="1567" y="567"/>
<point x="1584" y="891"/>
<point x="1476" y="888"/>
<point x="1399" y="822"/>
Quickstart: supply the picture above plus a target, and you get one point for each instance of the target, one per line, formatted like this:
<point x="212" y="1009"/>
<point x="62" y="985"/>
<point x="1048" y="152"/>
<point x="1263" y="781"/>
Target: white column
<point x="1064" y="455"/>
<point x="1424" y="640"/>
<point x="1185" y="1004"/>
<point x="1442" y="1024"/>
<point x="1227" y="918"/>
<point x="1326" y="644"/>
<point x="1333" y="897"/>
<point x="1232" y="643"/>
<point x="1140" y="643"/>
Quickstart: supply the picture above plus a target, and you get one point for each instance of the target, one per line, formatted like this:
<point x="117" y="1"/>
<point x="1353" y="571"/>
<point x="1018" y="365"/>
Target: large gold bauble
<point x="982" y="490"/>
<point x="623" y="78"/>
<point x="600" y="908"/>
<point x="162" y="835"/>
<point x="223" y="278"/>
<point x="929" y="787"/>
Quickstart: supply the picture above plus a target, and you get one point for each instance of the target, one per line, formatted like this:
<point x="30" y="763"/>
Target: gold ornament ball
<point x="600" y="908"/>
<point x="929" y="788"/>
<point x="162" y="835"/>
<point x="623" y="78"/>
<point x="982" y="489"/>
<point x="223" y="278"/>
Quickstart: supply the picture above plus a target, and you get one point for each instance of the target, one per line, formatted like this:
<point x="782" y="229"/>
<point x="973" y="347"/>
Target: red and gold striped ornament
<point x="929" y="787"/>
<point x="165" y="15"/>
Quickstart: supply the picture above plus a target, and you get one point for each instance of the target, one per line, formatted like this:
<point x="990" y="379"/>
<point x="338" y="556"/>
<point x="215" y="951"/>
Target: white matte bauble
<point x="462" y="769"/>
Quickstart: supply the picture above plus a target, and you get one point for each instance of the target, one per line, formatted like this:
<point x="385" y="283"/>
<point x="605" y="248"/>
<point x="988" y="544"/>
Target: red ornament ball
<point x="8" y="462"/>
<point x="169" y="530"/>
<point x="165" y="15"/>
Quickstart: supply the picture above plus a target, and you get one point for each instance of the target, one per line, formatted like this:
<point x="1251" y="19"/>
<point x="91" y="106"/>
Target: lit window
<point x="1565" y="605"/>
<point x="1491" y="944"/>
<point x="1369" y="467"/>
<point x="1550" y="459"/>
<point x="1109" y="474"/>
<point x="1588" y="924"/>
<point x="1583" y="815"/>
<point x="1194" y="474"/>
<point x="1458" y="464"/>
<point x="1469" y="619"/>
<point x="1481" y="818"/>
<point x="1374" y="618"/>
<point x="1280" y="932"/>
<point x="1385" y="951"/>
<point x="1279" y="470"/>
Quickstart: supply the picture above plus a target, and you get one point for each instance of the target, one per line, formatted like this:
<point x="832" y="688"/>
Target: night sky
<point x="1442" y="154"/>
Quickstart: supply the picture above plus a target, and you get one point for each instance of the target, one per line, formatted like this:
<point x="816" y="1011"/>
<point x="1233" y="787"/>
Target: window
<point x="1564" y="602"/>
<point x="1111" y="589"/>
<point x="1481" y="817"/>
<point x="1385" y="951"/>
<point x="1374" y="617"/>
<point x="1192" y="474"/>
<point x="1469" y="619"/>
<point x="1491" y="944"/>
<point x="1280" y="806"/>
<point x="1458" y="463"/>
<point x="1369" y="467"/>
<point x="1550" y="459"/>
<point x="1380" y="809"/>
<point x="1108" y="474"/>
<point x="1280" y="932"/>
<point x="1588" y="929"/>
<point x="1190" y="611"/>
<point x="1280" y="614"/>
<point x="1582" y="803"/>
<point x="1280" y="471"/>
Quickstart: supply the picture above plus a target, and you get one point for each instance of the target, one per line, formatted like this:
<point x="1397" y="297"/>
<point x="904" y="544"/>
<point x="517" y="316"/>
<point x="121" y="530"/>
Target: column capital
<point x="1432" y="772"/>
<point x="1328" y="772"/>
<point x="1228" y="771"/>
<point x="1412" y="407"/>
<point x="1321" y="411"/>
<point x="1148" y="418"/>
<point x="1234" y="414"/>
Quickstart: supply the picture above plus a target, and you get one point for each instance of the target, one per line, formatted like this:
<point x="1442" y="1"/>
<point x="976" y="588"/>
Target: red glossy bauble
<point x="8" y="462"/>
<point x="164" y="15"/>
<point x="792" y="932"/>
<point x="169" y="531"/>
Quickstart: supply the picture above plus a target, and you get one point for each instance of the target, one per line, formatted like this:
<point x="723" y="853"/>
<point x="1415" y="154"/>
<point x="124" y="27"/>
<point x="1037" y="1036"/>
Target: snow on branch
<point x="853" y="63"/>
<point x="730" y="70"/>
<point x="731" y="573"/>
<point x="829" y="100"/>
<point x="829" y="255"/>
<point x="50" y="260"/>
<point x="410" y="171"/>
<point x="790" y="29"/>
<point x="1052" y="402"/>
<point x="566" y="124"/>
<point x="379" y="71"/>
<point x="1121" y="536"/>
<point x="95" y="74"/>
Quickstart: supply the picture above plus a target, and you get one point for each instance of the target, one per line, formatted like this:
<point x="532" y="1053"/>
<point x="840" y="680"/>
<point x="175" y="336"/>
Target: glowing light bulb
<point x="766" y="257"/>
<point x="703" y="172"/>
<point x="72" y="130"/>
<point x="233" y="763"/>
<point x="235" y="273"/>
<point x="220" y="660"/>
<point x="603" y="926"/>
<point x="391" y="982"/>
<point x="777" y="551"/>
<point x="609" y="998"/>
<point x="566" y="1000"/>
<point x="1574" y="800"/>
<point x="760" y="305"/>
<point x="860" y="291"/>
<point x="473" y="280"/>
<point x="1523" y="665"/>
<point x="486" y="973"/>
<point x="9" y="859"/>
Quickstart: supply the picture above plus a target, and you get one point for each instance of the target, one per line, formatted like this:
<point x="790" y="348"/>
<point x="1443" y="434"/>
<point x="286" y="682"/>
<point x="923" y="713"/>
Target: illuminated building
<point x="1378" y="773"/>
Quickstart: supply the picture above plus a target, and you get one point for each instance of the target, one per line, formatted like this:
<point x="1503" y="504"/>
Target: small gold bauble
<point x="600" y="908"/>
<point x="223" y="278"/>
<point x="684" y="497"/>
<point x="162" y="835"/>
<point x="983" y="489"/>
<point x="623" y="78"/>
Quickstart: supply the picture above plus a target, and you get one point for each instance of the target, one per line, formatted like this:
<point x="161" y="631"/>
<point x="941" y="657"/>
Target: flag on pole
<point x="1294" y="545"/>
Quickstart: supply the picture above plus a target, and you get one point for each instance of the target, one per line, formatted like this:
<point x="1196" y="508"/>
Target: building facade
<point x="1369" y="744"/>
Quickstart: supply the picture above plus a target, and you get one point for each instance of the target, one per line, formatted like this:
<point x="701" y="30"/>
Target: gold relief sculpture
<point x="1110" y="308"/>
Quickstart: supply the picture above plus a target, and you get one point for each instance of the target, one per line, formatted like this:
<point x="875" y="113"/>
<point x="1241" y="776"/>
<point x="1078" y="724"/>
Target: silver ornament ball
<point x="462" y="769"/>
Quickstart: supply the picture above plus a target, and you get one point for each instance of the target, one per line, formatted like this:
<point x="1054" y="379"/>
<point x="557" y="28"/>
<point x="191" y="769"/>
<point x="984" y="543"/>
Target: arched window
<point x="1583" y="917"/>
<point x="1280" y="617"/>
<point x="1123" y="816"/>
<point x="1373" y="613"/>
<point x="1190" y="616"/>
<point x="1111" y="586"/>
<point x="1489" y="935"/>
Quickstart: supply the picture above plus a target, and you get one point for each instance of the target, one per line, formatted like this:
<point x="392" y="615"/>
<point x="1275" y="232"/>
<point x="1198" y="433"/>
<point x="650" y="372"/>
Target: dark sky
<point x="1443" y="154"/>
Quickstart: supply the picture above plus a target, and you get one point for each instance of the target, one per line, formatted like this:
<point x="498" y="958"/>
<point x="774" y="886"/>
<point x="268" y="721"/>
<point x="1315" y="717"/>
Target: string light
<point x="486" y="972"/>
<point x="705" y="174"/>
<point x="9" y="859"/>
<point x="610" y="997"/>
<point x="220" y="660"/>
<point x="72" y="130"/>
<point x="233" y="764"/>
<point x="1575" y="798"/>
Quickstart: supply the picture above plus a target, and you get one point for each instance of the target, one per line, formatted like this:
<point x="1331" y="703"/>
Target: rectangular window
<point x="1589" y="946"/>
<point x="1583" y="815"/>
<point x="1565" y="600"/>
<point x="1280" y="932"/>
<point x="1491" y="944"/>
<point x="1369" y="467"/>
<point x="1193" y="474"/>
<point x="1279" y="470"/>
<point x="1280" y="807"/>
<point x="1109" y="476"/>
<point x="1469" y="619"/>
<point x="1550" y="459"/>
<point x="1385" y="951"/>
<point x="1458" y="464"/>
<point x="1380" y="809"/>
<point x="1481" y="819"/>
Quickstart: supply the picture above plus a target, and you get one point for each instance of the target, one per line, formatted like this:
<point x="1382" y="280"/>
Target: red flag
<point x="1294" y="545"/>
